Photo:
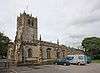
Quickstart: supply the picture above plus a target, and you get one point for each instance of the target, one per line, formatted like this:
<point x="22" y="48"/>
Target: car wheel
<point x="65" y="64"/>
<point x="68" y="64"/>
<point x="88" y="62"/>
<point x="79" y="63"/>
<point x="55" y="63"/>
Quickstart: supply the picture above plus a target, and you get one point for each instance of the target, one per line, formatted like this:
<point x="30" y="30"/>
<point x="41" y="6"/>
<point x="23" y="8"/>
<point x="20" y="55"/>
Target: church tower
<point x="26" y="28"/>
<point x="26" y="35"/>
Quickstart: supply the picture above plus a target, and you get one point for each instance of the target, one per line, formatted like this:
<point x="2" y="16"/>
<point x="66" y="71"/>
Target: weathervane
<point x="27" y="2"/>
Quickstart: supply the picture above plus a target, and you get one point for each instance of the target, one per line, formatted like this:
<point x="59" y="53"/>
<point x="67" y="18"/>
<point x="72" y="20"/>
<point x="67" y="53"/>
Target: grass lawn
<point x="96" y="61"/>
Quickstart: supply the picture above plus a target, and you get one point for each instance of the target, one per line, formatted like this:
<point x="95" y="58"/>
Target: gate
<point x="4" y="66"/>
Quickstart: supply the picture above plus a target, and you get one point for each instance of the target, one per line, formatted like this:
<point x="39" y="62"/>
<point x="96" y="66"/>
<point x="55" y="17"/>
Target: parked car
<point x="89" y="60"/>
<point x="77" y="59"/>
<point x="62" y="61"/>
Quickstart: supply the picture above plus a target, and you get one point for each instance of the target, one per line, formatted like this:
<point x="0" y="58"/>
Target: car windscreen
<point x="70" y="58"/>
<point x="80" y="57"/>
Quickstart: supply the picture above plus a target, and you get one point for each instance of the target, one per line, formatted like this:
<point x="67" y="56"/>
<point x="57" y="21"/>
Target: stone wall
<point x="27" y="47"/>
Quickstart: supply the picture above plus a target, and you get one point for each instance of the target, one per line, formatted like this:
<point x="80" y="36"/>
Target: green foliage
<point x="96" y="61"/>
<point x="4" y="40"/>
<point x="97" y="57"/>
<point x="91" y="43"/>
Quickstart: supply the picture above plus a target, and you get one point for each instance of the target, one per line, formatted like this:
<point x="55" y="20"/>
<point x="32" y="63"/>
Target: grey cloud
<point x="78" y="36"/>
<point x="68" y="20"/>
<point x="86" y="20"/>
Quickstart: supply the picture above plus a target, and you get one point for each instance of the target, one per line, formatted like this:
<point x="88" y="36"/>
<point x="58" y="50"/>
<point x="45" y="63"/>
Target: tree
<point x="91" y="44"/>
<point x="4" y="41"/>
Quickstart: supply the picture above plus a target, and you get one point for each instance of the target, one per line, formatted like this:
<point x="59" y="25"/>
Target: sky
<point x="70" y="21"/>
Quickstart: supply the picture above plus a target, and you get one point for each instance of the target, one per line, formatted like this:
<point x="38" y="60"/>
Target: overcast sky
<point x="67" y="20"/>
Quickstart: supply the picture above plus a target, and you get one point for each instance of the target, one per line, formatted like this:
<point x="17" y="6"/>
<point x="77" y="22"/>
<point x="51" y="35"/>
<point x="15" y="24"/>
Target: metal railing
<point x="6" y="66"/>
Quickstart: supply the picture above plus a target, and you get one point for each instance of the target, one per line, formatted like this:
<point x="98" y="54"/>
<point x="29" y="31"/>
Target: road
<point x="90" y="68"/>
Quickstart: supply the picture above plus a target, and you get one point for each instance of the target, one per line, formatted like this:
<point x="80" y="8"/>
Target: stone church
<point x="27" y="48"/>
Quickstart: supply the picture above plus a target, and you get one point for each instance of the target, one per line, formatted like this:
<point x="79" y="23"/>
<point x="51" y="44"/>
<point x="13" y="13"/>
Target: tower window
<point x="28" y="21"/>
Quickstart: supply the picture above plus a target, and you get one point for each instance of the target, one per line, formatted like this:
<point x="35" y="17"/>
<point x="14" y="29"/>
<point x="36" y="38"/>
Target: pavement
<point x="89" y="68"/>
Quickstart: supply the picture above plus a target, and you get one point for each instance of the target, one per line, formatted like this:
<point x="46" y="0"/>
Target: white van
<point x="77" y="59"/>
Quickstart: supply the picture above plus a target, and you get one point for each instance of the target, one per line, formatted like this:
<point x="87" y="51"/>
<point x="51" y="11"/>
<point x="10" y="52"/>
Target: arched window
<point x="58" y="54"/>
<point x="48" y="53"/>
<point x="32" y="23"/>
<point x="29" y="53"/>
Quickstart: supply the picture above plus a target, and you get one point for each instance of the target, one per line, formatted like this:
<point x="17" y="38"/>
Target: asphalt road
<point x="90" y="68"/>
